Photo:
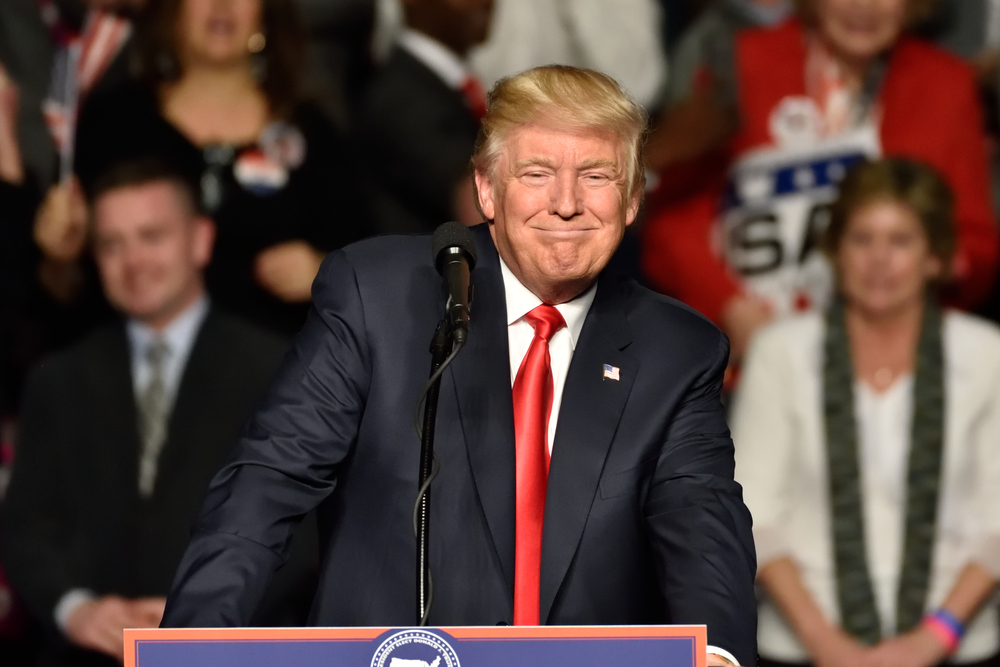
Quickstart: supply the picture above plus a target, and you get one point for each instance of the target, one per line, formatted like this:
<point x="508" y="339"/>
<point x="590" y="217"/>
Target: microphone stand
<point x="440" y="348"/>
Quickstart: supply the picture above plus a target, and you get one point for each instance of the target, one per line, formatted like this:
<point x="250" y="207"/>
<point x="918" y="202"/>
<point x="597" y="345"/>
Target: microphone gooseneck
<point x="454" y="255"/>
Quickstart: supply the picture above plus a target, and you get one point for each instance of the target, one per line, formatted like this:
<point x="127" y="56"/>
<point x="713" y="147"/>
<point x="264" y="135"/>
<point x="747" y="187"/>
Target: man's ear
<point x="485" y="195"/>
<point x="203" y="240"/>
<point x="633" y="209"/>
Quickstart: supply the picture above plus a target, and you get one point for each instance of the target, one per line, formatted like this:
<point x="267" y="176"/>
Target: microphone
<point x="454" y="252"/>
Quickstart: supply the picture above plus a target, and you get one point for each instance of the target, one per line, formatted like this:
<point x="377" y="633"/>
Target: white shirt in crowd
<point x="778" y="428"/>
<point x="620" y="37"/>
<point x="179" y="337"/>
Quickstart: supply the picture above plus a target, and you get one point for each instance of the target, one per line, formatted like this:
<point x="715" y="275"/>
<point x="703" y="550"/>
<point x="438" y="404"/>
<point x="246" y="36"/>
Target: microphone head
<point x="453" y="235"/>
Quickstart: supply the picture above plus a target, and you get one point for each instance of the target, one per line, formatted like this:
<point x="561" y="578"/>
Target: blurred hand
<point x="717" y="661"/>
<point x="287" y="270"/>
<point x="61" y="222"/>
<point x="742" y="316"/>
<point x="11" y="169"/>
<point x="465" y="206"/>
<point x="99" y="625"/>
<point x="689" y="129"/>
<point x="917" y="648"/>
<point x="836" y="648"/>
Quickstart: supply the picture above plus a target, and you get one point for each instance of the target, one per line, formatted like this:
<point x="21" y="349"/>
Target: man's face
<point x="216" y="32"/>
<point x="557" y="207"/>
<point x="458" y="24"/>
<point x="859" y="30"/>
<point x="150" y="249"/>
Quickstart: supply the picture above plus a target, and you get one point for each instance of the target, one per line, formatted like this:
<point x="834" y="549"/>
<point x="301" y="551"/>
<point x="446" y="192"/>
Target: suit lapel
<point x="481" y="376"/>
<point x="591" y="409"/>
<point x="187" y="431"/>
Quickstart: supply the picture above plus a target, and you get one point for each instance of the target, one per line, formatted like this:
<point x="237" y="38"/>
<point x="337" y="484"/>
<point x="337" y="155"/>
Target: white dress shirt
<point x="179" y="335"/>
<point x="884" y="421"/>
<point x="520" y="301"/>
<point x="778" y="427"/>
<point x="621" y="38"/>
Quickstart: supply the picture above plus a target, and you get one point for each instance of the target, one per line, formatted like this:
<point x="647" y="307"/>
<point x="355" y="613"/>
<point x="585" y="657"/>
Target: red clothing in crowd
<point x="929" y="110"/>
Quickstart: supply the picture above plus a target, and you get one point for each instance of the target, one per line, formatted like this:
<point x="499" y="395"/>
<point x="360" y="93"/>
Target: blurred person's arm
<point x="826" y="643"/>
<point x="287" y="270"/>
<point x="332" y="208"/>
<point x="99" y="624"/>
<point x="11" y="166"/>
<point x="678" y="258"/>
<point x="921" y="647"/>
<point x="978" y="578"/>
<point x="975" y="219"/>
<point x="60" y="232"/>
<point x="689" y="130"/>
<point x="743" y="316"/>
<point x="466" y="207"/>
<point x="763" y="431"/>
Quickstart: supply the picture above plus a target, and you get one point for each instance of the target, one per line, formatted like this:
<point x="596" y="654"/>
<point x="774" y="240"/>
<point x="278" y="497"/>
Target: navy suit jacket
<point x="643" y="521"/>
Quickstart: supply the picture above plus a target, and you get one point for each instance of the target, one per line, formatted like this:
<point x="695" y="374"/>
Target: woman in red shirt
<point x="840" y="83"/>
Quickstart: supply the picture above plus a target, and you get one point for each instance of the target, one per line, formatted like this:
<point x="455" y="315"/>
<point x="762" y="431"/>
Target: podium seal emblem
<point x="415" y="648"/>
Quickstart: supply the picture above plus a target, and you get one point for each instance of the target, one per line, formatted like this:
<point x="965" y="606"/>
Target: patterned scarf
<point x="859" y="616"/>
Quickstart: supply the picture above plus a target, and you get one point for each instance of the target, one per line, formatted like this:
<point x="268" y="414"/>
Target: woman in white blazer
<point x="868" y="444"/>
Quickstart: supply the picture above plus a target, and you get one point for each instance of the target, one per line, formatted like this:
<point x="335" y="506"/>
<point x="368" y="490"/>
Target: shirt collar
<point x="437" y="57"/>
<point x="178" y="335"/>
<point x="521" y="301"/>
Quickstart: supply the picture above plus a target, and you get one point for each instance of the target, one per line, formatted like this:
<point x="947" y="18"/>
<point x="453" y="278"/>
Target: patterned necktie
<point x="475" y="96"/>
<point x="152" y="406"/>
<point x="532" y="395"/>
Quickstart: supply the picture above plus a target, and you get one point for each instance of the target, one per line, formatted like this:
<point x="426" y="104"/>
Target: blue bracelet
<point x="950" y="620"/>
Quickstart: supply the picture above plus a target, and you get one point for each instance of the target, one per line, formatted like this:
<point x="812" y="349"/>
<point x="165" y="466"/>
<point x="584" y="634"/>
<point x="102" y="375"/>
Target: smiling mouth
<point x="218" y="26"/>
<point x="562" y="231"/>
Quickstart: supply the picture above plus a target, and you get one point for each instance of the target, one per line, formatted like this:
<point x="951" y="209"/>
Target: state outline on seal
<point x="384" y="653"/>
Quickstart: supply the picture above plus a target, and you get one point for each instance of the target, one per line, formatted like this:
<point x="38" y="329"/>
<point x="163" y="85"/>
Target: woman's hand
<point x="11" y="168"/>
<point x="916" y="648"/>
<point x="836" y="648"/>
<point x="61" y="222"/>
<point x="99" y="624"/>
<point x="287" y="270"/>
<point x="742" y="316"/>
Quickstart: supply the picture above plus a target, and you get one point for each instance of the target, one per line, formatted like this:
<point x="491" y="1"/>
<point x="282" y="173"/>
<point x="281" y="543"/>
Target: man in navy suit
<point x="586" y="469"/>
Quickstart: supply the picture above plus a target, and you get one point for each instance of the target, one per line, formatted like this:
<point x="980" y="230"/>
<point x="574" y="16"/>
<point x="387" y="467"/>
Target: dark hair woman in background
<point x="218" y="91"/>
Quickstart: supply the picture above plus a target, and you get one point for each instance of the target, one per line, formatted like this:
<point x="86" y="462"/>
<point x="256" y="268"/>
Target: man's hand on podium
<point x="99" y="624"/>
<point x="715" y="660"/>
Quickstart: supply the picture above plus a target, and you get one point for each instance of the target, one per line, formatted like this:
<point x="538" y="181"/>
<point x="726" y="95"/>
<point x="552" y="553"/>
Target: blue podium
<point x="552" y="646"/>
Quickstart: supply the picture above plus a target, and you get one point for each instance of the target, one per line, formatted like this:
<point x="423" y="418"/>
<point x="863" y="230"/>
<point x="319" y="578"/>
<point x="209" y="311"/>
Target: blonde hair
<point x="566" y="97"/>
<point x="917" y="11"/>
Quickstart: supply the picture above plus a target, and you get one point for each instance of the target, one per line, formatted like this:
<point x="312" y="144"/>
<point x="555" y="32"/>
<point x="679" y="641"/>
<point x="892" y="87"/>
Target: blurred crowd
<point x="823" y="179"/>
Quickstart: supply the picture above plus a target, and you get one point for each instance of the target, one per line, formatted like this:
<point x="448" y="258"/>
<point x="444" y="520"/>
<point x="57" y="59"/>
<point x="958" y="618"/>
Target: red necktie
<point x="475" y="96"/>
<point x="532" y="404"/>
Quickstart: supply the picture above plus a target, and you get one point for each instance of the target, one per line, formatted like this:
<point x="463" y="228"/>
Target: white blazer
<point x="779" y="433"/>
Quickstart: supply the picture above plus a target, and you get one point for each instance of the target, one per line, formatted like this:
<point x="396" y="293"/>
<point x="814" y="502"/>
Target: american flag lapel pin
<point x="612" y="373"/>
